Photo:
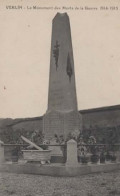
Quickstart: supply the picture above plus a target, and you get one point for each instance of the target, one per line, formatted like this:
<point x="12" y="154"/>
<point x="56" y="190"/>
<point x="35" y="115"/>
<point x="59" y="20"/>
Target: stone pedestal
<point x="2" y="158"/>
<point x="72" y="153"/>
<point x="55" y="150"/>
<point x="61" y="123"/>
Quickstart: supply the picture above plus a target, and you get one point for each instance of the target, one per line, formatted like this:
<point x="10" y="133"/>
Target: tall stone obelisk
<point x="62" y="115"/>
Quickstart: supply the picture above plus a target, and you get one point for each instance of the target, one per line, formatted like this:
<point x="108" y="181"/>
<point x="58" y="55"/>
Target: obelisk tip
<point x="60" y="15"/>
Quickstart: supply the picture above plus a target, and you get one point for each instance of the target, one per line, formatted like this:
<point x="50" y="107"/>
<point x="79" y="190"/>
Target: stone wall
<point x="101" y="117"/>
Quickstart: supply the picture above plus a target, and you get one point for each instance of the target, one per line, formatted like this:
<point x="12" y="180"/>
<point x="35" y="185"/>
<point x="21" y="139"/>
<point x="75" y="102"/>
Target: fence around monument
<point x="104" y="152"/>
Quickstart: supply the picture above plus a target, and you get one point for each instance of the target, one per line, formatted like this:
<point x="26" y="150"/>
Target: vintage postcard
<point x="59" y="97"/>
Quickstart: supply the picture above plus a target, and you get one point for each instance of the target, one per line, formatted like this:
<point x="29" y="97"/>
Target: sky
<point x="25" y="43"/>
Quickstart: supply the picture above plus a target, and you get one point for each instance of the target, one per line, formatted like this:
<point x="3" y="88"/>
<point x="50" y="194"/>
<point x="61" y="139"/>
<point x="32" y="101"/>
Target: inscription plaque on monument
<point x="62" y="115"/>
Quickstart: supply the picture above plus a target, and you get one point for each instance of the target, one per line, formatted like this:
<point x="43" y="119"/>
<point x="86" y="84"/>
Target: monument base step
<point x="58" y="169"/>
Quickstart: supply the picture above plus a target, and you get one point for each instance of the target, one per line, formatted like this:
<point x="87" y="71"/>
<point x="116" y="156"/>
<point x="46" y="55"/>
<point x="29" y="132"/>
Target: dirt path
<point x="104" y="184"/>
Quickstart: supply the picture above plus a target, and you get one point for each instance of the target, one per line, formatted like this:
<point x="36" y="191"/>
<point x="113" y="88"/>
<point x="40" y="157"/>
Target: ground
<point x="104" y="184"/>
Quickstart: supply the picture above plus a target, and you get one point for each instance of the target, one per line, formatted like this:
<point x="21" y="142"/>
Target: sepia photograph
<point x="59" y="98"/>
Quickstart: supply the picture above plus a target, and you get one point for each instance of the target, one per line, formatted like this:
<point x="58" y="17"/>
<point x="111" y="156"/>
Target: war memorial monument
<point x="62" y="116"/>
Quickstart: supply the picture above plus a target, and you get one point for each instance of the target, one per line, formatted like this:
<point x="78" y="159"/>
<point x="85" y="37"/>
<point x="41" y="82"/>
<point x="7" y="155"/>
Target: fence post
<point x="2" y="158"/>
<point x="72" y="159"/>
